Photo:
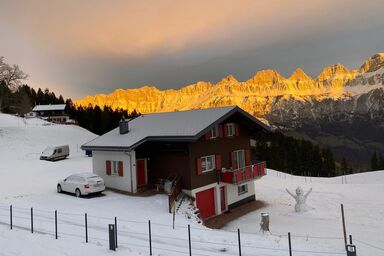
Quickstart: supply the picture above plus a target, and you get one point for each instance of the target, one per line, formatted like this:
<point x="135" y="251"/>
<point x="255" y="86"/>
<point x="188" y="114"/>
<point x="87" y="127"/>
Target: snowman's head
<point x="299" y="191"/>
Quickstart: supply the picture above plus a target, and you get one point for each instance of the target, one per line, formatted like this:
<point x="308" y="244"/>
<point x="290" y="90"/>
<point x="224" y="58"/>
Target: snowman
<point x="300" y="198"/>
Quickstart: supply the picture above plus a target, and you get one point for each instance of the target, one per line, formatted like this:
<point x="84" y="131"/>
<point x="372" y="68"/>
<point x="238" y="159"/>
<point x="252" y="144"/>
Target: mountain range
<point x="340" y="108"/>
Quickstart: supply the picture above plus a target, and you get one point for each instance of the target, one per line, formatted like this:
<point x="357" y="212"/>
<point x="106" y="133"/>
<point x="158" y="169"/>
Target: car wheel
<point x="59" y="190"/>
<point x="77" y="192"/>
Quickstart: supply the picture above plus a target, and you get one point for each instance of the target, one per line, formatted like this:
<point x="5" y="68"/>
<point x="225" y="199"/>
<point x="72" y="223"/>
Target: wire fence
<point x="199" y="241"/>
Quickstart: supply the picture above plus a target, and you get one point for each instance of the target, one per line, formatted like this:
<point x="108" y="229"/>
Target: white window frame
<point x="215" y="132"/>
<point x="231" y="129"/>
<point x="204" y="163"/>
<point x="114" y="168"/>
<point x="238" y="163"/>
<point x="242" y="189"/>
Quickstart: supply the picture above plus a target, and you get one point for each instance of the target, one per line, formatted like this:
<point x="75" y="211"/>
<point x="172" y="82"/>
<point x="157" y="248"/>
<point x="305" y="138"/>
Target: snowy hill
<point x="28" y="182"/>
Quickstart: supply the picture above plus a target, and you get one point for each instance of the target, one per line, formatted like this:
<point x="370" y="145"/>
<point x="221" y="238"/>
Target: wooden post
<point x="239" y="240"/>
<point x="289" y="244"/>
<point x="344" y="229"/>
<point x="56" y="224"/>
<point x="150" y="237"/>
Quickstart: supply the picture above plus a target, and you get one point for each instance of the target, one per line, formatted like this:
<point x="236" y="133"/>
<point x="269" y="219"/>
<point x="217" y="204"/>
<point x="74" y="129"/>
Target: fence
<point x="159" y="237"/>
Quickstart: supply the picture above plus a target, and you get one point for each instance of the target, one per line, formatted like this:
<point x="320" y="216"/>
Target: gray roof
<point x="171" y="126"/>
<point x="49" y="107"/>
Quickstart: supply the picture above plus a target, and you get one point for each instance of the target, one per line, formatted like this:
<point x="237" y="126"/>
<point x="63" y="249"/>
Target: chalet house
<point x="209" y="150"/>
<point x="53" y="113"/>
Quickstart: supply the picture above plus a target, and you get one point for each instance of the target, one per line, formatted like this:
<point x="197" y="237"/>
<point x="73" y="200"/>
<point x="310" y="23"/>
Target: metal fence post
<point x="86" y="228"/>
<point x="116" y="231"/>
<point x="10" y="216"/>
<point x="150" y="237"/>
<point x="32" y="220"/>
<point x="239" y="240"/>
<point x="56" y="224"/>
<point x="344" y="229"/>
<point x="189" y="240"/>
<point x="289" y="244"/>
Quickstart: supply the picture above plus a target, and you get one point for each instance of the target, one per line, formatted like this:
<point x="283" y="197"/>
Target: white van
<point x="55" y="153"/>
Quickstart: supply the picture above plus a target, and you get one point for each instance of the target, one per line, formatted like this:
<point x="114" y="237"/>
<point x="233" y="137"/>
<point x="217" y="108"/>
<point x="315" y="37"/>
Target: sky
<point x="78" y="48"/>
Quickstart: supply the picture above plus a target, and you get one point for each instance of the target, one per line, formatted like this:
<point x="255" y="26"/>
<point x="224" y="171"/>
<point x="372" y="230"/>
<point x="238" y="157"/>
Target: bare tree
<point x="11" y="77"/>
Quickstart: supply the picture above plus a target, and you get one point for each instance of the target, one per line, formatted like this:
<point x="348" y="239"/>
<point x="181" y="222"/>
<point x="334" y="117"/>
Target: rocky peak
<point x="299" y="74"/>
<point x="228" y="79"/>
<point x="372" y="64"/>
<point x="268" y="76"/>
<point x="329" y="72"/>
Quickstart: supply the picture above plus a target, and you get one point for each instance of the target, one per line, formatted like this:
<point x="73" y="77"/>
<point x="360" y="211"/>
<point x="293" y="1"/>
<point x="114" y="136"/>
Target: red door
<point x="222" y="196"/>
<point x="141" y="172"/>
<point x="205" y="201"/>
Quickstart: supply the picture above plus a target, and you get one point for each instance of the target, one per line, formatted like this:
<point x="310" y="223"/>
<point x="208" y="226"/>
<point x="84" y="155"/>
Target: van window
<point x="59" y="150"/>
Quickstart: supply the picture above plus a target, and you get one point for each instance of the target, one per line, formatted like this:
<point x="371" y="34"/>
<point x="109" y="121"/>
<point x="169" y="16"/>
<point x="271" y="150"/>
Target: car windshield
<point x="93" y="179"/>
<point x="48" y="151"/>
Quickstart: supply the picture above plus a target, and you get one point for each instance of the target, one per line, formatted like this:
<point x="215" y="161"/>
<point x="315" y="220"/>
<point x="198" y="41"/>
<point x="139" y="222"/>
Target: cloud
<point x="84" y="47"/>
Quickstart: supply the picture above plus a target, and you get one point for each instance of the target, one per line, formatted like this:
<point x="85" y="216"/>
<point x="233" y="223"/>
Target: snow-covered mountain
<point x="348" y="104"/>
<point x="267" y="94"/>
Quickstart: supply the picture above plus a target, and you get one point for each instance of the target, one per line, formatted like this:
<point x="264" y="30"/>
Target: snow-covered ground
<point x="26" y="182"/>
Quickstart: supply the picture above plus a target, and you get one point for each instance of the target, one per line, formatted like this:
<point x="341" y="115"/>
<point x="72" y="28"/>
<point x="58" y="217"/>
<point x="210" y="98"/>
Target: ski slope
<point x="26" y="181"/>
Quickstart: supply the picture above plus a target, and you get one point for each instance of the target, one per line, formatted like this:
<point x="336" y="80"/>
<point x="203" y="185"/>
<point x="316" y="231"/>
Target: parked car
<point x="55" y="153"/>
<point x="81" y="184"/>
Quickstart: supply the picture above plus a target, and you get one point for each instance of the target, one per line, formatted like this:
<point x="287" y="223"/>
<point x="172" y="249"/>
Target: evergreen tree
<point x="344" y="166"/>
<point x="374" y="162"/>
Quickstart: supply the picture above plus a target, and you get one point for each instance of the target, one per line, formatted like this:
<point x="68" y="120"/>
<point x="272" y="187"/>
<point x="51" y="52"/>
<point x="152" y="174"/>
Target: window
<point x="208" y="163"/>
<point x="239" y="158"/>
<point x="115" y="168"/>
<point x="215" y="132"/>
<point x="230" y="129"/>
<point x="242" y="189"/>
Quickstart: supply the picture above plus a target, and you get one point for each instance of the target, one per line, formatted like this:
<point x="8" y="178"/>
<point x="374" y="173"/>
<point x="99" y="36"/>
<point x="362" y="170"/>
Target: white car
<point x="81" y="184"/>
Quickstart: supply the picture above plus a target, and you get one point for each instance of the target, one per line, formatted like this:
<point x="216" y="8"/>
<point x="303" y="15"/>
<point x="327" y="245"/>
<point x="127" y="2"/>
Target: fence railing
<point x="244" y="174"/>
<point x="183" y="240"/>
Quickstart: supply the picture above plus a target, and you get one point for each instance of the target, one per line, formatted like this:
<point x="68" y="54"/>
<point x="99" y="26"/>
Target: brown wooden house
<point x="208" y="151"/>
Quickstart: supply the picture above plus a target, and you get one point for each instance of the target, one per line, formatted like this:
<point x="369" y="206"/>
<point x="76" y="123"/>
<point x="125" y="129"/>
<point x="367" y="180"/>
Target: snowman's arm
<point x="290" y="193"/>
<point x="307" y="194"/>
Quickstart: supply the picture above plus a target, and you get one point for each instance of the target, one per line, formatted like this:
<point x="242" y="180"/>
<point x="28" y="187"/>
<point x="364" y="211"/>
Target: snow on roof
<point x="171" y="125"/>
<point x="52" y="107"/>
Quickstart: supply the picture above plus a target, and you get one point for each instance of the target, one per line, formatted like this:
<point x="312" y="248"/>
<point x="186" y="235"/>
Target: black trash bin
<point x="351" y="250"/>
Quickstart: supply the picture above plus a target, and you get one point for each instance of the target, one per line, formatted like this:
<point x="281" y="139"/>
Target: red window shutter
<point x="220" y="130"/>
<point x="108" y="167"/>
<point x="237" y="129"/>
<point x="208" y="135"/>
<point x="248" y="157"/>
<point x="225" y="130"/>
<point x="233" y="160"/>
<point x="120" y="170"/>
<point x="199" y="166"/>
<point x="218" y="162"/>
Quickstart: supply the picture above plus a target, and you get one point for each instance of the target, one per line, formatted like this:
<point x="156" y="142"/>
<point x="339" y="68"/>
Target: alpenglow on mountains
<point x="264" y="95"/>
<point x="341" y="108"/>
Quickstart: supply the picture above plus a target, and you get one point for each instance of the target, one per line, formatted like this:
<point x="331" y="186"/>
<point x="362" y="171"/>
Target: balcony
<point x="245" y="174"/>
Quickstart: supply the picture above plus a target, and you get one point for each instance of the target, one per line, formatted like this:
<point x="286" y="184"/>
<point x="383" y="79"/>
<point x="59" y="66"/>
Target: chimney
<point x="123" y="126"/>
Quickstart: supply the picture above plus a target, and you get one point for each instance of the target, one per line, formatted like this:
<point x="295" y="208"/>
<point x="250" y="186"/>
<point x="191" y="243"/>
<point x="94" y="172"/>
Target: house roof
<point x="49" y="107"/>
<point x="170" y="126"/>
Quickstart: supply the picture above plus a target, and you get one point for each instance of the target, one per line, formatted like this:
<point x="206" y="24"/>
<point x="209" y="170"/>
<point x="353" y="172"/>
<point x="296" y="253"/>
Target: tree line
<point x="377" y="161"/>
<point x="296" y="156"/>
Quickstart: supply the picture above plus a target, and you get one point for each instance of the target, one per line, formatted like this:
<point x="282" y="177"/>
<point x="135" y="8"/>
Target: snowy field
<point x="27" y="182"/>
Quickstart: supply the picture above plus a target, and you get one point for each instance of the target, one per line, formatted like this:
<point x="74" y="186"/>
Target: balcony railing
<point x="245" y="174"/>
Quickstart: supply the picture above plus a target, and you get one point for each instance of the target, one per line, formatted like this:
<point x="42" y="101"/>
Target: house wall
<point x="223" y="146"/>
<point x="234" y="199"/>
<point x="166" y="159"/>
<point x="127" y="182"/>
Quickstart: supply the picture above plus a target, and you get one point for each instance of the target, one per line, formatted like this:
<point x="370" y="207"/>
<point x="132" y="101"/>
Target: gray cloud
<point x="156" y="50"/>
